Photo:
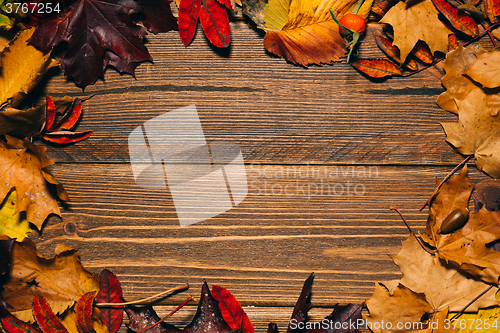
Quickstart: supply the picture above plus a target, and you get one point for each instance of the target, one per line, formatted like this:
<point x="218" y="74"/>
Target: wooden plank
<point x="275" y="112"/>
<point x="263" y="249"/>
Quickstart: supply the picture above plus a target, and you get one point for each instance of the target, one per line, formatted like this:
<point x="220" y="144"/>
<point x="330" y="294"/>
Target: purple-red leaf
<point x="376" y="68"/>
<point x="231" y="310"/>
<point x="343" y="319"/>
<point x="83" y="310"/>
<point x="45" y="318"/>
<point x="145" y="317"/>
<point x="303" y="304"/>
<point x="158" y="15"/>
<point x="458" y="19"/>
<point x="90" y="28"/>
<point x="110" y="292"/>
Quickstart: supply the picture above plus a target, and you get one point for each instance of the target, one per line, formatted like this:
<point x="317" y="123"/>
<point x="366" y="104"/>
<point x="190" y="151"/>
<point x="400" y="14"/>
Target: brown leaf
<point x="62" y="279"/>
<point x="414" y="23"/>
<point x="141" y="318"/>
<point x="487" y="193"/>
<point x="23" y="166"/>
<point x="486" y="69"/>
<point x="376" y="68"/>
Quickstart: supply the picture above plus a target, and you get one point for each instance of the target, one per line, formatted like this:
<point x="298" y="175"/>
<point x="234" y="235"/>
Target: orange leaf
<point x="70" y="119"/>
<point x="452" y="39"/>
<point x="492" y="8"/>
<point x="46" y="319"/>
<point x="458" y="19"/>
<point x="83" y="312"/>
<point x="66" y="136"/>
<point x="231" y="310"/>
<point x="376" y="68"/>
<point x="50" y="113"/>
<point x="392" y="52"/>
<point x="13" y="325"/>
<point x="422" y="52"/>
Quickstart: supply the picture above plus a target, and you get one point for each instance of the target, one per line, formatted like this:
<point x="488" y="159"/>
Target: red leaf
<point x="46" y="319"/>
<point x="90" y="27"/>
<point x="83" y="310"/>
<point x="458" y="19"/>
<point x="50" y="113"/>
<point x="492" y="8"/>
<point x="70" y="118"/>
<point x="213" y="17"/>
<point x="110" y="292"/>
<point x="225" y="3"/>
<point x="392" y="52"/>
<point x="158" y="15"/>
<point x="231" y="310"/>
<point x="453" y="42"/>
<point x="376" y="68"/>
<point x="422" y="52"/>
<point x="66" y="136"/>
<point x="11" y="324"/>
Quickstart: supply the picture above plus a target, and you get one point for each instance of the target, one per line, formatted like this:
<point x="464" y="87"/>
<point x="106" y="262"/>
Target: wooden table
<point x="383" y="135"/>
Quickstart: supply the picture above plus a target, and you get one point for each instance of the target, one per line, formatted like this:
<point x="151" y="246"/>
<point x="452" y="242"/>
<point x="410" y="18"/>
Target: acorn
<point x="454" y="221"/>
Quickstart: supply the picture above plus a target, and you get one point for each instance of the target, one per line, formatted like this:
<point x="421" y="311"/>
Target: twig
<point x="422" y="245"/>
<point x="444" y="181"/>
<point x="470" y="303"/>
<point x="144" y="300"/>
<point x="189" y="299"/>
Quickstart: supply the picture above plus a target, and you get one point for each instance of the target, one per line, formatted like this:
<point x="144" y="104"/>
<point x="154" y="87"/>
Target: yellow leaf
<point x="483" y="321"/>
<point x="23" y="66"/>
<point x="12" y="224"/>
<point x="276" y="14"/>
<point x="418" y="22"/>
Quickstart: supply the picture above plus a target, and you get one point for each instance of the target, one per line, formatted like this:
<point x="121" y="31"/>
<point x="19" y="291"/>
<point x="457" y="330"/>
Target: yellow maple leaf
<point x="12" y="224"/>
<point x="414" y="23"/>
<point x="483" y="321"/>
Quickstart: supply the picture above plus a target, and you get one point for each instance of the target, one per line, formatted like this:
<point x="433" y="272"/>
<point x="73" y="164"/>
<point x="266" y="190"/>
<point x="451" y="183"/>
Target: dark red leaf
<point x="208" y="317"/>
<point x="492" y="9"/>
<point x="111" y="59"/>
<point x="343" y="319"/>
<point x="83" y="310"/>
<point x="145" y="317"/>
<point x="71" y="117"/>
<point x="376" y="68"/>
<point x="11" y="324"/>
<point x="231" y="310"/>
<point x="272" y="328"/>
<point x="6" y="246"/>
<point x="158" y="15"/>
<point x="213" y="17"/>
<point x="110" y="292"/>
<point x="458" y="19"/>
<point x="50" y="113"/>
<point x="90" y="27"/>
<point x="66" y="136"/>
<point x="45" y="318"/>
<point x="303" y="304"/>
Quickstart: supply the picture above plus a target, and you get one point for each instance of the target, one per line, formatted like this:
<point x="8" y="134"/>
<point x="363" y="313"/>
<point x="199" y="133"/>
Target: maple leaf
<point x="486" y="69"/>
<point x="158" y="15"/>
<point x="483" y="321"/>
<point x="61" y="280"/>
<point x="414" y="23"/>
<point x="23" y="66"/>
<point x="309" y="35"/>
<point x="213" y="18"/>
<point x="90" y="28"/>
<point x="400" y="306"/>
<point x="12" y="224"/>
<point x="476" y="132"/>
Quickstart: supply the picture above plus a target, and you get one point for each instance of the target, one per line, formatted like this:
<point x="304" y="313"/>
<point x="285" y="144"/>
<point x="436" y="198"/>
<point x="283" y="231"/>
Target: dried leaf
<point x="62" y="280"/>
<point x="23" y="166"/>
<point x="6" y="246"/>
<point x="254" y="9"/>
<point x="276" y="14"/>
<point x="486" y="69"/>
<point x="458" y="19"/>
<point x="46" y="319"/>
<point x="13" y="224"/>
<point x="487" y="193"/>
<point x="110" y="292"/>
<point x="158" y="16"/>
<point x="22" y="123"/>
<point x="492" y="9"/>
<point x="303" y="304"/>
<point x="483" y="321"/>
<point x="145" y="317"/>
<point x="393" y="52"/>
<point x="231" y="310"/>
<point x="422" y="52"/>
<point x="84" y="310"/>
<point x="414" y="23"/>
<point x="376" y="68"/>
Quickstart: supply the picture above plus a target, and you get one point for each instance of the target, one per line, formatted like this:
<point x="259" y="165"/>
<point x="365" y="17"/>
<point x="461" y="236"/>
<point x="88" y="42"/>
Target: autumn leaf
<point x="450" y="288"/>
<point x="11" y="324"/>
<point x="414" y="23"/>
<point x="20" y="122"/>
<point x="487" y="194"/>
<point x="254" y="9"/>
<point x="402" y="306"/>
<point x="110" y="292"/>
<point x="310" y="35"/>
<point x="393" y="52"/>
<point x="213" y="18"/>
<point x="158" y="15"/>
<point x="231" y="310"/>
<point x="476" y="132"/>
<point x="486" y="69"/>
<point x="61" y="280"/>
<point x="45" y="317"/>
<point x="303" y="304"/>
<point x="346" y="317"/>
<point x="13" y="224"/>
<point x="458" y="19"/>
<point x="376" y="68"/>
<point x="483" y="321"/>
<point x="90" y="28"/>
<point x="492" y="9"/>
<point x="23" y="66"/>
<point x="422" y="52"/>
<point x="84" y="311"/>
<point x="23" y="166"/>
<point x="70" y="321"/>
<point x="141" y="318"/>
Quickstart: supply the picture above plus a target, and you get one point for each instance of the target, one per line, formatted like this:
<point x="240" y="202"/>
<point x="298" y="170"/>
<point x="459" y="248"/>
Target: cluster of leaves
<point x="444" y="272"/>
<point x="58" y="295"/>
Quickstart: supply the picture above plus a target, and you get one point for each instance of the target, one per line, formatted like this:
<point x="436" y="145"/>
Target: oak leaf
<point x="414" y="23"/>
<point x="23" y="166"/>
<point x="13" y="224"/>
<point x="476" y="132"/>
<point x="61" y="280"/>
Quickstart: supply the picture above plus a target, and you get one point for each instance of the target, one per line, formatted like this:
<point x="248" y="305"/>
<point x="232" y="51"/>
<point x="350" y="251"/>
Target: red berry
<point x="353" y="22"/>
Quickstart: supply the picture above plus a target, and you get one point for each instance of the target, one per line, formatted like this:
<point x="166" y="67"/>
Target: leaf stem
<point x="444" y="181"/>
<point x="422" y="245"/>
<point x="358" y="6"/>
<point x="189" y="299"/>
<point x="144" y="300"/>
